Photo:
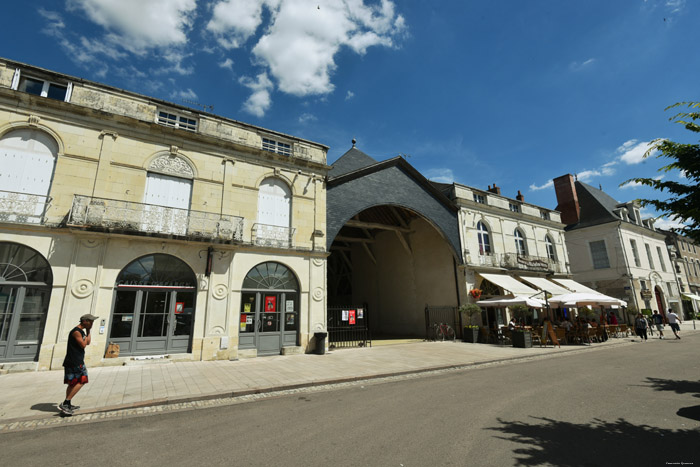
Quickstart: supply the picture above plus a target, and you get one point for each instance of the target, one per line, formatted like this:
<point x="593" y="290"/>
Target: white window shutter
<point x="15" y="79"/>
<point x="69" y="92"/>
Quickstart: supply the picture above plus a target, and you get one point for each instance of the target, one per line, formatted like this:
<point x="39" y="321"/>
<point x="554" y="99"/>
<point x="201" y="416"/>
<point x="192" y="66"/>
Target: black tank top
<point x="75" y="355"/>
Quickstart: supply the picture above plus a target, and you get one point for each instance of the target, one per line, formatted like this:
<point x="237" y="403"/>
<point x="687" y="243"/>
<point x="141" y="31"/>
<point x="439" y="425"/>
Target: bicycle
<point x="442" y="331"/>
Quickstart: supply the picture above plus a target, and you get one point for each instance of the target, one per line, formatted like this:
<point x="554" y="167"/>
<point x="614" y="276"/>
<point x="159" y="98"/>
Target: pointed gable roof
<point x="351" y="161"/>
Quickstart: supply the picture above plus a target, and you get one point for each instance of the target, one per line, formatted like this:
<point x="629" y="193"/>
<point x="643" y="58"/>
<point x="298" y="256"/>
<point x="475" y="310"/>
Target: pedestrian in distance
<point x="658" y="321"/>
<point x="673" y="321"/>
<point x="640" y="327"/>
<point x="75" y="373"/>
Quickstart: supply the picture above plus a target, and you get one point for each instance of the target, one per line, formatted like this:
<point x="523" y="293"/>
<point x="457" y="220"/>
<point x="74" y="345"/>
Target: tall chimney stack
<point x="567" y="199"/>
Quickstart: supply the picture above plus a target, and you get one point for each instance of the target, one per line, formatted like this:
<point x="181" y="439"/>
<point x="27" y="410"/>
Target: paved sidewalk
<point x="34" y="395"/>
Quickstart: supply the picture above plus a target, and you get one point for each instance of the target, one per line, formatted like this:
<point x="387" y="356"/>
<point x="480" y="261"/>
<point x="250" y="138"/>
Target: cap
<point x="88" y="317"/>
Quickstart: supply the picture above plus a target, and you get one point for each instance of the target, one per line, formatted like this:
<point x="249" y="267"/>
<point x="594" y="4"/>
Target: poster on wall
<point x="351" y="316"/>
<point x="360" y="313"/>
<point x="345" y="315"/>
<point x="270" y="303"/>
<point x="289" y="306"/>
<point x="244" y="321"/>
<point x="246" y="308"/>
<point x="179" y="307"/>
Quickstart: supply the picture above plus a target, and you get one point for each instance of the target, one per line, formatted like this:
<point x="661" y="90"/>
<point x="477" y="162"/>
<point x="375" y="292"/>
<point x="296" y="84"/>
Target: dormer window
<point x="174" y="120"/>
<point x="276" y="147"/>
<point x="514" y="207"/>
<point x="481" y="199"/>
<point x="544" y="215"/>
<point x="41" y="87"/>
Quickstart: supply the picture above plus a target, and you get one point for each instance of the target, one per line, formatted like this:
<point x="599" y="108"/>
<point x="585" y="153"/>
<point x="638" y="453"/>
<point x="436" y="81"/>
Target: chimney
<point x="520" y="197"/>
<point x="567" y="199"/>
<point x="494" y="189"/>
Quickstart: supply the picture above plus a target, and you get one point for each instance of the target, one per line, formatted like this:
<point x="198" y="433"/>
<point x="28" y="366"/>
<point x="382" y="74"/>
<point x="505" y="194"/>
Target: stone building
<point x="191" y="236"/>
<point x="510" y="247"/>
<point x="401" y="244"/>
<point x="686" y="258"/>
<point x="613" y="250"/>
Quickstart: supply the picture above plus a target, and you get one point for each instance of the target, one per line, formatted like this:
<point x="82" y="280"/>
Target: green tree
<point x="684" y="200"/>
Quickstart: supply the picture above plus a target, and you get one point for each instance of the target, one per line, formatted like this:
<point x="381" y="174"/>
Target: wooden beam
<point x="404" y="242"/>
<point x="398" y="215"/>
<point x="375" y="225"/>
<point x="353" y="239"/>
<point x="369" y="252"/>
<point x="347" y="260"/>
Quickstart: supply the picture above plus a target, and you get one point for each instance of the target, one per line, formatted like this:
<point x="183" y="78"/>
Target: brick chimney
<point x="494" y="189"/>
<point x="567" y="199"/>
<point x="520" y="197"/>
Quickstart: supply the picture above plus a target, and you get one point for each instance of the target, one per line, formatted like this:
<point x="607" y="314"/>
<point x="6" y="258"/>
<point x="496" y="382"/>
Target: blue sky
<point x="507" y="92"/>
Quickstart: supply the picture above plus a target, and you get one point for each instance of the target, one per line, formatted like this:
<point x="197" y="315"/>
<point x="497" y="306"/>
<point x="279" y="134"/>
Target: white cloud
<point x="675" y="6"/>
<point x="349" y="95"/>
<point x="440" y="175"/>
<point x="233" y="22"/>
<point x="578" y="66"/>
<point x="609" y="168"/>
<point x="187" y="95"/>
<point x="587" y="175"/>
<point x="683" y="174"/>
<point x="549" y="184"/>
<point x="632" y="152"/>
<point x="306" y="118"/>
<point x="139" y="25"/>
<point x="670" y="222"/>
<point x="259" y="101"/>
<point x="299" y="45"/>
<point x="56" y="24"/>
<point x="228" y="64"/>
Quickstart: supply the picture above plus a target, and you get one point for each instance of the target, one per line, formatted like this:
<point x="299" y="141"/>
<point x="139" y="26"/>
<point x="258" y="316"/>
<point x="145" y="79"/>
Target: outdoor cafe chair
<point x="561" y="335"/>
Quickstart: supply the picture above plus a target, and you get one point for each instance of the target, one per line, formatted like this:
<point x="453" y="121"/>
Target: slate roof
<point x="597" y="207"/>
<point x="351" y="161"/>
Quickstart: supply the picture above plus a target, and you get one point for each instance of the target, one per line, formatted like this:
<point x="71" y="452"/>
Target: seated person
<point x="566" y="324"/>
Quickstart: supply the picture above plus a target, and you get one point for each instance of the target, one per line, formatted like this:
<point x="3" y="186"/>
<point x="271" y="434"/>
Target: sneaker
<point x="74" y="407"/>
<point x="65" y="409"/>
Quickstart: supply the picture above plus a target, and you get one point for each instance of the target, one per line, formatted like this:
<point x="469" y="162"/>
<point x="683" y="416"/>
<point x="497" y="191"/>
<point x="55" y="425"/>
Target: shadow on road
<point x="680" y="387"/>
<point x="552" y="442"/>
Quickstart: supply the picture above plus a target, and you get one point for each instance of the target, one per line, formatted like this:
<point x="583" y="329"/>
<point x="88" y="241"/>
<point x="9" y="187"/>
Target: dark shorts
<point x="75" y="375"/>
<point x="675" y="326"/>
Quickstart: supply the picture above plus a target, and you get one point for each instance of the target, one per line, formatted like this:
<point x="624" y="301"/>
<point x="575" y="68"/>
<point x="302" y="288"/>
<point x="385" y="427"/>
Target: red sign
<point x="243" y="318"/>
<point x="179" y="307"/>
<point x="270" y="303"/>
<point x="351" y="317"/>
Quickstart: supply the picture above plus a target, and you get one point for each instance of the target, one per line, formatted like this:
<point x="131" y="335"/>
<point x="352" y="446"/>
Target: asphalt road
<point x="634" y="405"/>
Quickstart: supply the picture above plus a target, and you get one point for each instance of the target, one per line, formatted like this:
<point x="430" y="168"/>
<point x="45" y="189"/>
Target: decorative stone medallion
<point x="317" y="294"/>
<point x="220" y="291"/>
<point x="82" y="288"/>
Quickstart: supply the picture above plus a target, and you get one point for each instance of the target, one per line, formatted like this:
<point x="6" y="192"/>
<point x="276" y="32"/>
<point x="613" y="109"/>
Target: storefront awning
<point x="573" y="285"/>
<point x="692" y="296"/>
<point x="546" y="285"/>
<point x="509" y="284"/>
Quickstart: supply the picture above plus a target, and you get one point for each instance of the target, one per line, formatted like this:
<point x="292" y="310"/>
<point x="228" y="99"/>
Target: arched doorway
<point x="660" y="300"/>
<point x="25" y="290"/>
<point x="391" y="261"/>
<point x="154" y="306"/>
<point x="269" y="309"/>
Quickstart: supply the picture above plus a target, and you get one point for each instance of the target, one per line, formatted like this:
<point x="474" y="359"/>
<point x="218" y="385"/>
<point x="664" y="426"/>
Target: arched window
<point x="520" y="245"/>
<point x="27" y="158"/>
<point x="484" y="240"/>
<point x="549" y="244"/>
<point x="274" y="208"/>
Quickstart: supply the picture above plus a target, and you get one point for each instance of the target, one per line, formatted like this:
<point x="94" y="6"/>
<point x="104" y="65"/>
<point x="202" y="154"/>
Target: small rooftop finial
<point x="353" y="142"/>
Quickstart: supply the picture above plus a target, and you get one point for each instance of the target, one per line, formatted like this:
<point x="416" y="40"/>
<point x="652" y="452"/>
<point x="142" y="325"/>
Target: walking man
<point x="658" y="321"/>
<point x="640" y="327"/>
<point x="673" y="321"/>
<point x="75" y="374"/>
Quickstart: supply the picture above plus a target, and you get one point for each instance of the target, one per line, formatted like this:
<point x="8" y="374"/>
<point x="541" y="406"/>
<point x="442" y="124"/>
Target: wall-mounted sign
<point x="246" y="308"/>
<point x="345" y="315"/>
<point x="128" y="318"/>
<point x="351" y="316"/>
<point x="179" y="307"/>
<point x="289" y="306"/>
<point x="360" y="313"/>
<point x="270" y="303"/>
<point x="646" y="294"/>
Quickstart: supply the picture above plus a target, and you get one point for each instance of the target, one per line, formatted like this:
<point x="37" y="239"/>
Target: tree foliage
<point x="683" y="202"/>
